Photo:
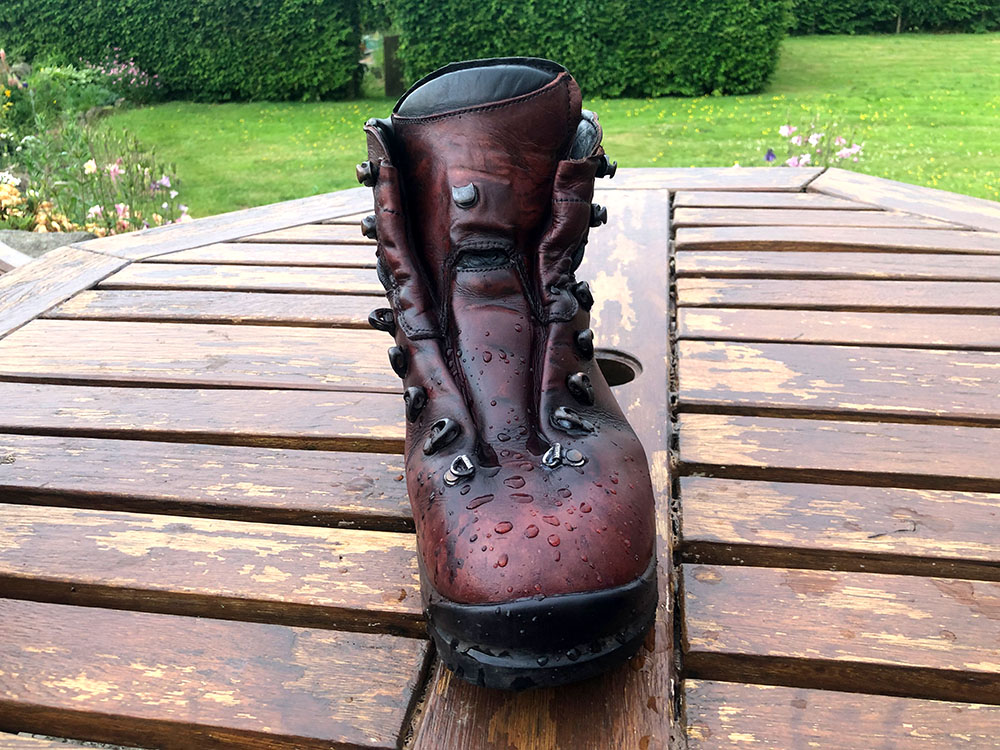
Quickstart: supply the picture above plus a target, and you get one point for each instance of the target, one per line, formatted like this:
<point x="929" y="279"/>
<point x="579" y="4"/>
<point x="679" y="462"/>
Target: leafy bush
<point x="612" y="47"/>
<point x="882" y="16"/>
<point x="206" y="50"/>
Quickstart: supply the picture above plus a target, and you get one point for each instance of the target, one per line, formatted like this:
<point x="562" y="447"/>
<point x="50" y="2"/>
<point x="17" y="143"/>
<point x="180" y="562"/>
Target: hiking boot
<point x="530" y="491"/>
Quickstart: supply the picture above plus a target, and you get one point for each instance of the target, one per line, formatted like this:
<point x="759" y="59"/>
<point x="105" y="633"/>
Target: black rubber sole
<point x="542" y="641"/>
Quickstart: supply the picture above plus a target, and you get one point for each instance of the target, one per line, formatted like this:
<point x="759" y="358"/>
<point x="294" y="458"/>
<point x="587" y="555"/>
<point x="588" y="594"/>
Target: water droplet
<point x="554" y="540"/>
<point x="518" y="327"/>
<point x="481" y="500"/>
<point x="493" y="402"/>
<point x="523" y="497"/>
<point x="502" y="562"/>
<point x="564" y="492"/>
<point x="474" y="537"/>
<point x="483" y="548"/>
<point x="503" y="437"/>
<point x="585" y="508"/>
<point x="465" y="490"/>
<point x="487" y="356"/>
<point x="557" y="556"/>
<point x="572" y="654"/>
<point x="614" y="480"/>
<point x="570" y="527"/>
<point x="542" y="661"/>
<point x="551" y="520"/>
<point x="531" y="532"/>
<point x="515" y="483"/>
<point x="503" y="527"/>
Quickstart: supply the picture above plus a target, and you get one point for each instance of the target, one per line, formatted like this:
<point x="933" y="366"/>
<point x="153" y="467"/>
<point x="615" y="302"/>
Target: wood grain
<point x="834" y="265"/>
<point x="740" y="199"/>
<point x="872" y="529"/>
<point x="328" y="234"/>
<point x="711" y="178"/>
<point x="630" y="707"/>
<point x="317" y="488"/>
<point x="859" y="239"/>
<point x="816" y="380"/>
<point x="33" y="288"/>
<point x="350" y="219"/>
<point x="943" y="297"/>
<point x="182" y="682"/>
<point x="273" y="418"/>
<point x="246" y="308"/>
<point x="244" y="356"/>
<point x="231" y="226"/>
<point x="895" y="635"/>
<point x="275" y="254"/>
<point x="232" y="570"/>
<point x="857" y="453"/>
<point x="761" y="717"/>
<point x="827" y="327"/>
<point x="754" y="217"/>
<point x="939" y="204"/>
<point x="26" y="742"/>
<point x="11" y="258"/>
<point x="193" y="276"/>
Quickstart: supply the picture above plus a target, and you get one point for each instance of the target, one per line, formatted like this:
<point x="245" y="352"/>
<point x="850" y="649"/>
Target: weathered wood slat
<point x="348" y="220"/>
<point x="895" y="635"/>
<point x="873" y="529"/>
<point x="914" y="241"/>
<point x="859" y="453"/>
<point x="275" y="254"/>
<point x="874" y="296"/>
<point x="833" y="265"/>
<point x="205" y="355"/>
<point x="712" y="178"/>
<point x="248" y="308"/>
<point x="755" y="217"/>
<point x="739" y="199"/>
<point x="26" y="742"/>
<point x="276" y="485"/>
<point x="33" y="288"/>
<point x="194" y="276"/>
<point x="814" y="379"/>
<point x="283" y="419"/>
<point x="172" y="682"/>
<point x="939" y="204"/>
<point x="233" y="570"/>
<point x="231" y="226"/>
<point x="328" y="234"/>
<point x="827" y="327"/>
<point x="765" y="717"/>
<point x="11" y="258"/>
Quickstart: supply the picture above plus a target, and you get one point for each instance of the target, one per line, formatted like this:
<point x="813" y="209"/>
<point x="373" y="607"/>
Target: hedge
<point x="884" y="16"/>
<point x="205" y="50"/>
<point x="612" y="47"/>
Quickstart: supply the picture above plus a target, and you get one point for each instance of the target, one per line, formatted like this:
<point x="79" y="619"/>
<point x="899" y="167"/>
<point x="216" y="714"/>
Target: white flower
<point x="89" y="166"/>
<point x="164" y="205"/>
<point x="815" y="138"/>
<point x="173" y="194"/>
<point x="805" y="159"/>
<point x="6" y="178"/>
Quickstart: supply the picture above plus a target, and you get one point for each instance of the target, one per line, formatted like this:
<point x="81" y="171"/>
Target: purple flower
<point x="769" y="156"/>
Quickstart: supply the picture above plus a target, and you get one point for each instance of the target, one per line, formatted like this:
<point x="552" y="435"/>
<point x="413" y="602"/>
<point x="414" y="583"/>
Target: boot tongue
<point x="478" y="149"/>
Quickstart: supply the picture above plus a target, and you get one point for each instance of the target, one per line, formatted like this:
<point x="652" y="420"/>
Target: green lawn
<point x="926" y="107"/>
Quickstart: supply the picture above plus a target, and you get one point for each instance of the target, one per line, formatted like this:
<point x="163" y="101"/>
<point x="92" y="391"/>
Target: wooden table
<point x="206" y="540"/>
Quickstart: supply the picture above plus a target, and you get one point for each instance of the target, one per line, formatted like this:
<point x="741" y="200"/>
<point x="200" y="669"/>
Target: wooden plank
<point x="205" y="355"/>
<point x="895" y="635"/>
<point x="762" y="179"/>
<point x="349" y="220"/>
<point x="826" y="327"/>
<point x="172" y="682"/>
<point x="872" y="529"/>
<point x="231" y="226"/>
<point x="939" y="204"/>
<point x="833" y="265"/>
<point x="283" y="419"/>
<point x="627" y="269"/>
<point x="27" y="742"/>
<point x="193" y="276"/>
<point x="981" y="297"/>
<point x="275" y="254"/>
<point x="277" y="485"/>
<point x="11" y="258"/>
<point x="813" y="380"/>
<point x="751" y="217"/>
<point x="857" y="239"/>
<point x="745" y="199"/>
<point x="233" y="570"/>
<point x="30" y="290"/>
<point x="311" y="234"/>
<point x="726" y="715"/>
<point x="876" y="454"/>
<point x="248" y="308"/>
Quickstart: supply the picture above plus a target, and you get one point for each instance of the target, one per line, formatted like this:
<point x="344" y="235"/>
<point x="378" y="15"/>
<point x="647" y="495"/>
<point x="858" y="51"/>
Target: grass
<point x="927" y="108"/>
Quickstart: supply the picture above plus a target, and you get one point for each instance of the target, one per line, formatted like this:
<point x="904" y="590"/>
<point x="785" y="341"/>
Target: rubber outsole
<point x="542" y="641"/>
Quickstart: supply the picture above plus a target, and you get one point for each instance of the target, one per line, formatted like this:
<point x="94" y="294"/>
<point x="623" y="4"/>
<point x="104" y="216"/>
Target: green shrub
<point x="206" y="50"/>
<point x="883" y="16"/>
<point x="613" y="47"/>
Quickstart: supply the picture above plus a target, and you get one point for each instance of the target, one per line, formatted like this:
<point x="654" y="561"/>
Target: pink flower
<point x="843" y="153"/>
<point x="839" y="140"/>
<point x="793" y="162"/>
<point x="787" y="130"/>
<point x="95" y="210"/>
<point x="815" y="138"/>
<point x="805" y="159"/>
<point x="122" y="210"/>
<point x="855" y="148"/>
<point x="797" y="140"/>
<point x="114" y="171"/>
<point x="163" y="182"/>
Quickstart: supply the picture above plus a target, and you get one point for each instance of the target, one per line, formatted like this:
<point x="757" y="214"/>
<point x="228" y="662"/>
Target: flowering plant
<point x="814" y="144"/>
<point x="126" y="77"/>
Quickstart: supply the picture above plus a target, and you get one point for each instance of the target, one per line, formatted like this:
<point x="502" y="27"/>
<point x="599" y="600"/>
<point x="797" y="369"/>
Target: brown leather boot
<point x="530" y="491"/>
